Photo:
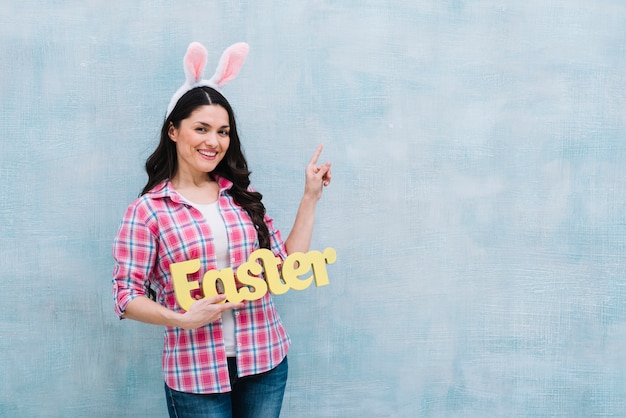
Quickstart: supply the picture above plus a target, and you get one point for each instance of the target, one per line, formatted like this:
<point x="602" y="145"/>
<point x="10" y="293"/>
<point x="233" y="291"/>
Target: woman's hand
<point x="317" y="176"/>
<point x="204" y="311"/>
<point x="201" y="312"/>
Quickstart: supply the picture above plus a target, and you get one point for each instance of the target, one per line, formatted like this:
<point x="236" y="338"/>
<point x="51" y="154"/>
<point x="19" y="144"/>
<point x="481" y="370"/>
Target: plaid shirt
<point x="160" y="228"/>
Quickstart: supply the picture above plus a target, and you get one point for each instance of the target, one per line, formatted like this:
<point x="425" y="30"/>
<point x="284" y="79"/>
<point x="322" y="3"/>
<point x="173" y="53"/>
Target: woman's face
<point x="201" y="140"/>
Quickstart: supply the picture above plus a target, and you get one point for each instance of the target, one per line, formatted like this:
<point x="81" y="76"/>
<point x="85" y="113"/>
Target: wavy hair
<point x="163" y="163"/>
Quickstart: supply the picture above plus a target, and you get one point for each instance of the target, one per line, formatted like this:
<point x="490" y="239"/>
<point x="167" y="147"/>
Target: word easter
<point x="255" y="287"/>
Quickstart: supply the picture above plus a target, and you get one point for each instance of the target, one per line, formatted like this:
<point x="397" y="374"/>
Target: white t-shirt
<point x="220" y="240"/>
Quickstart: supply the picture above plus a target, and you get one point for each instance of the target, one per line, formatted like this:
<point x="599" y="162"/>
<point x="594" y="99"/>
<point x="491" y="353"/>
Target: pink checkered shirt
<point x="160" y="228"/>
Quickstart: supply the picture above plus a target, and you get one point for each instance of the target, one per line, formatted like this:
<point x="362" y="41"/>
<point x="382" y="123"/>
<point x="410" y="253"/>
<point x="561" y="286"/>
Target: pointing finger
<point x="316" y="155"/>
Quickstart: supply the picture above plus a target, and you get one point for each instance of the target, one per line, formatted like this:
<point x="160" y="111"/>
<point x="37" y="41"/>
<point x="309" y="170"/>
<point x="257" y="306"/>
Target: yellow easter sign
<point x="255" y="287"/>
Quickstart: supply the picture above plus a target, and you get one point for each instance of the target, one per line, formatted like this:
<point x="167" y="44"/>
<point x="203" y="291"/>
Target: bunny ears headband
<point x="194" y="62"/>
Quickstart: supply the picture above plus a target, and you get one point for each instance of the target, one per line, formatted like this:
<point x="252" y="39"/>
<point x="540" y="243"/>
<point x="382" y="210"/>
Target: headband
<point x="194" y="62"/>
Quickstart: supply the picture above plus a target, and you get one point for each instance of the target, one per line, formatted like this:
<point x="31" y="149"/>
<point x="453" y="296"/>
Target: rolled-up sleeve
<point x="134" y="252"/>
<point x="276" y="241"/>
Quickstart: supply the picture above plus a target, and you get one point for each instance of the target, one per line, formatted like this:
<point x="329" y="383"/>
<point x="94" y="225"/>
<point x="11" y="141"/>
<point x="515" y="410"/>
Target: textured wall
<point x="477" y="206"/>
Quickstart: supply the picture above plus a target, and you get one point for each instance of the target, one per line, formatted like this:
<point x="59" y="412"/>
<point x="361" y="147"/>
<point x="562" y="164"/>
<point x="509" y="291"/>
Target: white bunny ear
<point x="194" y="62"/>
<point x="230" y="63"/>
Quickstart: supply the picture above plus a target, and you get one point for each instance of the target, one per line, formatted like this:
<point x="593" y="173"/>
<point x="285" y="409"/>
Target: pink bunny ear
<point x="230" y="63"/>
<point x="194" y="62"/>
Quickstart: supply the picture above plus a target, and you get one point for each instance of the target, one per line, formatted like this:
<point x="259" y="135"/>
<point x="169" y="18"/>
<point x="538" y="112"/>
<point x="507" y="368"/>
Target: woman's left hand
<point x="317" y="176"/>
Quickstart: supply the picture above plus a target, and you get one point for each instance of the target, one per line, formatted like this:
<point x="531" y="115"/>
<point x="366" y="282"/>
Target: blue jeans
<point x="257" y="396"/>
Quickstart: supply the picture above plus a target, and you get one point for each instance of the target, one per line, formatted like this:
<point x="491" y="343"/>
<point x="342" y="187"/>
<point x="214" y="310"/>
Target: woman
<point x="220" y="359"/>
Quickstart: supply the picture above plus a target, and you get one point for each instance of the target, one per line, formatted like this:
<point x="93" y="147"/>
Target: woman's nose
<point x="211" y="138"/>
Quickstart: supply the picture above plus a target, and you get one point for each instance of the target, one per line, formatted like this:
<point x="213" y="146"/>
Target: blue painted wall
<point x="477" y="205"/>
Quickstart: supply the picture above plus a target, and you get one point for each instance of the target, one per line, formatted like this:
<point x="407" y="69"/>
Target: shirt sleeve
<point x="134" y="252"/>
<point x="277" y="244"/>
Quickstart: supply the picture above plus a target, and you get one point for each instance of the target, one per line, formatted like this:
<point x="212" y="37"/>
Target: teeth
<point x="208" y="154"/>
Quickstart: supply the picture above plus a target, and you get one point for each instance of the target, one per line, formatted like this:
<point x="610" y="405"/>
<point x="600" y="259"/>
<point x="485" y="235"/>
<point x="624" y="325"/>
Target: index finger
<point x="215" y="299"/>
<point x="231" y="305"/>
<point x="318" y="151"/>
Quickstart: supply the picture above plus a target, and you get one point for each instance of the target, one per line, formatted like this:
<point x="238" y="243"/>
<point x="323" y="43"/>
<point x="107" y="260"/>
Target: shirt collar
<point x="165" y="189"/>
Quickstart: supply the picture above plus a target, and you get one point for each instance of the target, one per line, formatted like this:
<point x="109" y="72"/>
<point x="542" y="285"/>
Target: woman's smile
<point x="208" y="154"/>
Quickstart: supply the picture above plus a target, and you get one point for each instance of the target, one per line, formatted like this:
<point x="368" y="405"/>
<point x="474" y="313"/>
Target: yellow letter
<point x="247" y="275"/>
<point x="297" y="264"/>
<point x="182" y="286"/>
<point x="319" y="261"/>
<point x="270" y="268"/>
<point x="209" y="284"/>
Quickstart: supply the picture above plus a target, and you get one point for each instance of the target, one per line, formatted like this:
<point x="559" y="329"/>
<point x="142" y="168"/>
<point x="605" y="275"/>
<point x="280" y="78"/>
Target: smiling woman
<point x="229" y="358"/>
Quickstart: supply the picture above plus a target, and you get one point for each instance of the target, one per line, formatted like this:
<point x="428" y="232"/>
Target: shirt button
<point x="238" y="344"/>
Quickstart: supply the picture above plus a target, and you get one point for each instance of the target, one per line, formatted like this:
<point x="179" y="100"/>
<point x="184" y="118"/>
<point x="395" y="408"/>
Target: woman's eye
<point x="224" y="133"/>
<point x="200" y="129"/>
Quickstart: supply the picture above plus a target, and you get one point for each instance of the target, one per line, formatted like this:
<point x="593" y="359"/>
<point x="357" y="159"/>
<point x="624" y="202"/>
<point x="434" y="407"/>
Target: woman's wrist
<point x="174" y="319"/>
<point x="309" y="199"/>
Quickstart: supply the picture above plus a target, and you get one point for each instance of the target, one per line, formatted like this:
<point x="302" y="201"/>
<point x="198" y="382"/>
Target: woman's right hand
<point x="206" y="310"/>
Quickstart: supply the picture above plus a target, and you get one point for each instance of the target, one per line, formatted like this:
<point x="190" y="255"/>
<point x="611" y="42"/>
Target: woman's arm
<point x="135" y="253"/>
<point x="317" y="177"/>
<point x="201" y="312"/>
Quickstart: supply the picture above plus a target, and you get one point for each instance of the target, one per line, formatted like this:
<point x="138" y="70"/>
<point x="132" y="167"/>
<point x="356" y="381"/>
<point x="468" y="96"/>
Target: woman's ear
<point x="172" y="132"/>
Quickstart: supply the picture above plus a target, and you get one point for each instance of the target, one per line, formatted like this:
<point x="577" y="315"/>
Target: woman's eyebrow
<point x="209" y="125"/>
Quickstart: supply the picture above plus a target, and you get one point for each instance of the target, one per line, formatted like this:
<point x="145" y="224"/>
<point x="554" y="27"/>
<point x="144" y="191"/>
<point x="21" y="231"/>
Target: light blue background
<point x="477" y="205"/>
